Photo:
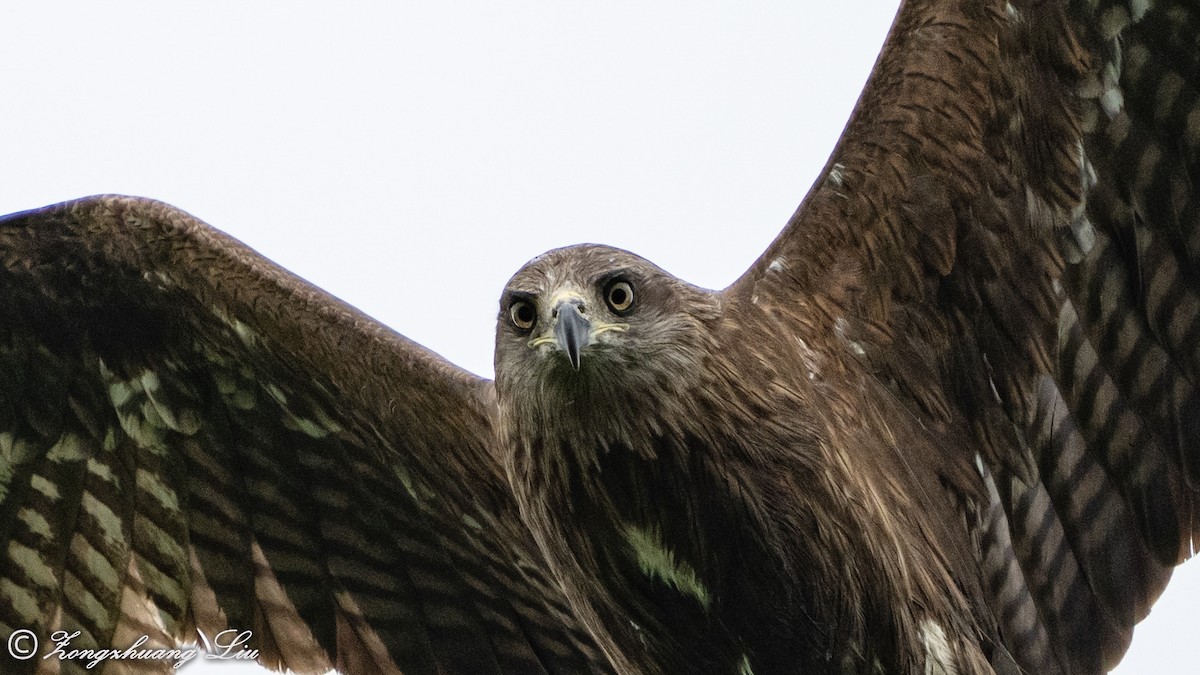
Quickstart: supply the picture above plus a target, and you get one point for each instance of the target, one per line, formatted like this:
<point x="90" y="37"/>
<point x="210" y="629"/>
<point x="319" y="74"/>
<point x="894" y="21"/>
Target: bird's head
<point x="592" y="325"/>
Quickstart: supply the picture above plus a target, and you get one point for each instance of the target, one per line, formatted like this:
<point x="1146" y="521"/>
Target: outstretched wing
<point x="1007" y="236"/>
<point x="192" y="439"/>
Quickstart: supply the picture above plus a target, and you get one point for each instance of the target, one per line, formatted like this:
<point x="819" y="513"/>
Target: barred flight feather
<point x="162" y="484"/>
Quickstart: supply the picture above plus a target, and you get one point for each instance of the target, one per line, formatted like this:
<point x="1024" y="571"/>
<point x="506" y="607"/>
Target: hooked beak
<point x="572" y="331"/>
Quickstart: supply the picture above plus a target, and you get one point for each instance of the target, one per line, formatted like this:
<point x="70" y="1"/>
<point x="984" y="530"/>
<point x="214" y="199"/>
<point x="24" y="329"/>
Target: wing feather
<point x="1013" y="200"/>
<point x="193" y="440"/>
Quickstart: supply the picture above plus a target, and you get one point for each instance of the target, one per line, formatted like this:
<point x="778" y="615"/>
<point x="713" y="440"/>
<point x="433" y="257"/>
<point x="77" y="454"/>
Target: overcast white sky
<point x="409" y="157"/>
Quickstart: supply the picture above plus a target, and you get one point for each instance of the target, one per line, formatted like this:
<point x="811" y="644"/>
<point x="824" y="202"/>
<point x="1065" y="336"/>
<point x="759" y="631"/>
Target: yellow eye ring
<point x="522" y="314"/>
<point x="619" y="296"/>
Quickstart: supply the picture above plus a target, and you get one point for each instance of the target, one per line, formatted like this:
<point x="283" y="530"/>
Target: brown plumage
<point x="945" y="424"/>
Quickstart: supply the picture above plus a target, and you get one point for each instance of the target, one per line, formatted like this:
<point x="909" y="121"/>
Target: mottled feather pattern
<point x="947" y="423"/>
<point x="158" y="481"/>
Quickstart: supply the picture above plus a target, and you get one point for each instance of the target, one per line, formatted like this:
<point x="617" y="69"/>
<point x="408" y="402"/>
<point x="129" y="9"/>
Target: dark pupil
<point x="524" y="314"/>
<point x="618" y="296"/>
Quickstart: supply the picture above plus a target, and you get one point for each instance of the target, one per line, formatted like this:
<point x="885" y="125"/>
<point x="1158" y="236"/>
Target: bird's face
<point x="560" y="312"/>
<point x="590" y="321"/>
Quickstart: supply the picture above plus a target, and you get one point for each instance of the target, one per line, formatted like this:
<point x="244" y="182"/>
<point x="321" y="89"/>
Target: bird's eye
<point x="619" y="296"/>
<point x="523" y="315"/>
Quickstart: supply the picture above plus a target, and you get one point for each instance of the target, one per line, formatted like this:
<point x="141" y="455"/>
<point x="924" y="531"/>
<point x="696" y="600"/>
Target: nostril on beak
<point x="580" y="307"/>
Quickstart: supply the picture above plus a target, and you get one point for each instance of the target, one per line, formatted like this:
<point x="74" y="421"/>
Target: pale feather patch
<point x="658" y="562"/>
<point x="565" y="293"/>
<point x="15" y="452"/>
<point x="160" y="279"/>
<point x="839" y="329"/>
<point x="406" y="480"/>
<point x="1138" y="9"/>
<point x="118" y="392"/>
<point x="134" y="409"/>
<point x="276" y="393"/>
<point x="149" y="381"/>
<point x="1087" y="172"/>
<point x="1114" y="20"/>
<point x="36" y="523"/>
<point x="102" y="471"/>
<point x="7" y="467"/>
<point x="226" y="385"/>
<point x="1133" y="62"/>
<point x="236" y="385"/>
<point x="151" y="417"/>
<point x="184" y="420"/>
<point x="777" y="265"/>
<point x="939" y="658"/>
<point x="143" y="409"/>
<point x="992" y="381"/>
<point x="150" y="484"/>
<point x="317" y="428"/>
<point x="32" y="564"/>
<point x="110" y="524"/>
<point x="1112" y="100"/>
<point x="810" y="359"/>
<point x="243" y="399"/>
<point x="22" y="601"/>
<point x="48" y="489"/>
<point x="245" y="333"/>
<point x="837" y="174"/>
<point x="304" y="425"/>
<point x="83" y="601"/>
<point x="1076" y="242"/>
<point x="98" y="567"/>
<point x="68" y="448"/>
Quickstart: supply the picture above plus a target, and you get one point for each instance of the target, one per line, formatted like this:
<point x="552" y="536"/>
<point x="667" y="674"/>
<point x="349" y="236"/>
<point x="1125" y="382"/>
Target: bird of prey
<point x="947" y="423"/>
